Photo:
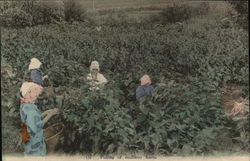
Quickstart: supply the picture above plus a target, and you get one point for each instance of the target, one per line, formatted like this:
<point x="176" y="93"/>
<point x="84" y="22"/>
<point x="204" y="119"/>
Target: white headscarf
<point x="145" y="80"/>
<point x="34" y="64"/>
<point x="26" y="87"/>
<point x="30" y="92"/>
<point x="94" y="65"/>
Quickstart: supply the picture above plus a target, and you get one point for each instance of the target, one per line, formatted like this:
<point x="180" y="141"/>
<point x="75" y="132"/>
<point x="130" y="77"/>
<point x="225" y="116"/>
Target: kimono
<point x="32" y="124"/>
<point x="36" y="76"/>
<point x="95" y="84"/>
<point x="31" y="116"/>
<point x="143" y="90"/>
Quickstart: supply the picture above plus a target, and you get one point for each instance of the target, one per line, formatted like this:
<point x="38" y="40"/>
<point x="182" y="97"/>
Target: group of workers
<point x="33" y="121"/>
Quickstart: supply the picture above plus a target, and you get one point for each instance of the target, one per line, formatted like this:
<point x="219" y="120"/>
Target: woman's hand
<point x="46" y="76"/>
<point x="55" y="111"/>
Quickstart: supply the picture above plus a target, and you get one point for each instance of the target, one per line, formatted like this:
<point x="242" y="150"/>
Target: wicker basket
<point x="52" y="136"/>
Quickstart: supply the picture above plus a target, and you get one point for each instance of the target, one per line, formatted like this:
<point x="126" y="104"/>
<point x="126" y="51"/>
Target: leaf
<point x="186" y="149"/>
<point x="161" y="131"/>
<point x="110" y="148"/>
<point x="130" y="131"/>
<point x="71" y="117"/>
<point x="99" y="126"/>
<point x="85" y="103"/>
<point x="90" y="123"/>
<point x="144" y="109"/>
<point x="122" y="133"/>
<point x="11" y="112"/>
<point x="109" y="127"/>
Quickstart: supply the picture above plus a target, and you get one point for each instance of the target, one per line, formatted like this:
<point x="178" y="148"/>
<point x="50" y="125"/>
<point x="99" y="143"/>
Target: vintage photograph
<point x="124" y="79"/>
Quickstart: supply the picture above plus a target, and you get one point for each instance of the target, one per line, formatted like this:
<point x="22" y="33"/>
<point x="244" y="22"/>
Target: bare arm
<point x="44" y="77"/>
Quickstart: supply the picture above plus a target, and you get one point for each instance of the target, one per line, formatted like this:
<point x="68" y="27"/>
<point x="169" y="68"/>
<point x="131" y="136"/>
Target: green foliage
<point x="74" y="11"/>
<point x="44" y="12"/>
<point x="187" y="67"/>
<point x="242" y="8"/>
<point x="30" y="13"/>
<point x="179" y="12"/>
<point x="15" y="17"/>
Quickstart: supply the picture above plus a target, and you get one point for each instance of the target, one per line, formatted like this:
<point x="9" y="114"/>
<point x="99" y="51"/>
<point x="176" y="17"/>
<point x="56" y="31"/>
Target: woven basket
<point x="52" y="136"/>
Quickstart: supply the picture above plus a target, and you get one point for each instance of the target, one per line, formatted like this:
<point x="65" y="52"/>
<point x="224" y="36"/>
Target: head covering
<point x="34" y="64"/>
<point x="30" y="91"/>
<point x="145" y="80"/>
<point x="94" y="65"/>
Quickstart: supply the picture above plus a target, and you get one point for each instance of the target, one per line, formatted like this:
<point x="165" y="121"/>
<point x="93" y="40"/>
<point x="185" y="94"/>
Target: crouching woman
<point x="32" y="120"/>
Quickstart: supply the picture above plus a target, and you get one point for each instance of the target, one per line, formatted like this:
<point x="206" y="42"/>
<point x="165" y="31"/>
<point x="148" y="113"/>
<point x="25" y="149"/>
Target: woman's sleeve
<point x="102" y="79"/>
<point x="150" y="90"/>
<point x="36" y="77"/>
<point x="34" y="121"/>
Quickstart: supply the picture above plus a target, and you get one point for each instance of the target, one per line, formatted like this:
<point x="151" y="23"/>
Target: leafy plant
<point x="74" y="11"/>
<point x="187" y="67"/>
<point x="179" y="12"/>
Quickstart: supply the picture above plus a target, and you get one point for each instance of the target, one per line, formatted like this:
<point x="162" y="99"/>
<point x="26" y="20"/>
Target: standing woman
<point x="95" y="79"/>
<point x="32" y="120"/>
<point x="36" y="75"/>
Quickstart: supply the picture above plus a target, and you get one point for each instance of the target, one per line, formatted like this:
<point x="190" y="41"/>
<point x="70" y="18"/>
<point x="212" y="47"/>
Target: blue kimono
<point x="31" y="116"/>
<point x="142" y="91"/>
<point x="36" y="76"/>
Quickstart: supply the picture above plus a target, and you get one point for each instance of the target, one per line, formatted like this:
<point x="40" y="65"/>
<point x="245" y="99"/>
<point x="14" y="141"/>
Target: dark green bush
<point x="45" y="12"/>
<point x="242" y="8"/>
<point x="176" y="13"/>
<point x="74" y="11"/>
<point x="16" y="17"/>
<point x="180" y="12"/>
<point x="30" y="13"/>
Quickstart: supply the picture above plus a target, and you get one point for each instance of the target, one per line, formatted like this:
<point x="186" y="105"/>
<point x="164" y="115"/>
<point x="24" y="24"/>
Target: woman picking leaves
<point x="145" y="89"/>
<point x="95" y="79"/>
<point x="142" y="92"/>
<point x="32" y="120"/>
<point x="36" y="75"/>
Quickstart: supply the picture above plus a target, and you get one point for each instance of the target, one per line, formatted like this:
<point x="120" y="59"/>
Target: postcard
<point x="124" y="80"/>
